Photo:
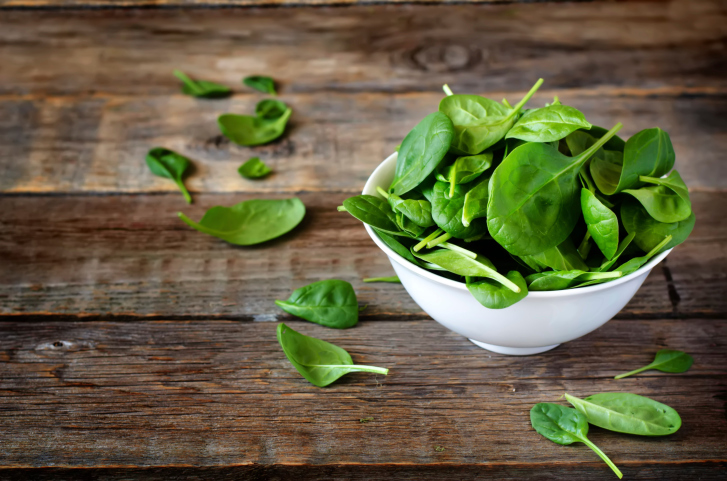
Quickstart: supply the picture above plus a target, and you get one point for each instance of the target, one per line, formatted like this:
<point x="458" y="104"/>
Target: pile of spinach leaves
<point x="511" y="200"/>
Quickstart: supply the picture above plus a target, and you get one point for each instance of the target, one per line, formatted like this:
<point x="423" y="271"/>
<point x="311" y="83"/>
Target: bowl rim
<point x="645" y="269"/>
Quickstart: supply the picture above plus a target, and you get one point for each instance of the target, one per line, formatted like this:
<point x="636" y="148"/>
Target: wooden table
<point x="132" y="346"/>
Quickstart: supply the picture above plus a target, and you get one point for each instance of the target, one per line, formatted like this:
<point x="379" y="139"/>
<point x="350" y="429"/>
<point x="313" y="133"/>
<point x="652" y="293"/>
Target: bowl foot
<point x="514" y="351"/>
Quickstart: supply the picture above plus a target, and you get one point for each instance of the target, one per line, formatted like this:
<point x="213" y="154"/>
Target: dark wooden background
<point x="134" y="347"/>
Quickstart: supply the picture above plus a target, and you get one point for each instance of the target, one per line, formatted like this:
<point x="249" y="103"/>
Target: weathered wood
<point x="671" y="46"/>
<point x="222" y="394"/>
<point x="221" y="3"/>
<point x="335" y="141"/>
<point x="131" y="256"/>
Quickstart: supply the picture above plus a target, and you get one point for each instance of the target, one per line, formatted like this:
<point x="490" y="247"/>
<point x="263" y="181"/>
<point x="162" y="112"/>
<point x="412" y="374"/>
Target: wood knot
<point x="444" y="58"/>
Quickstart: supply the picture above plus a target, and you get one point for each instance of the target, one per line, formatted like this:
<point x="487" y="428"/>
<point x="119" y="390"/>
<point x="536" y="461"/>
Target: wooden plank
<point x="131" y="256"/>
<point x="221" y="394"/>
<point x="221" y="3"/>
<point x="475" y="48"/>
<point x="98" y="144"/>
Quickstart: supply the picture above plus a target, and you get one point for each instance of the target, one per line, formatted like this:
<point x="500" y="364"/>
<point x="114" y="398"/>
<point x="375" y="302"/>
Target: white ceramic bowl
<point x="536" y="324"/>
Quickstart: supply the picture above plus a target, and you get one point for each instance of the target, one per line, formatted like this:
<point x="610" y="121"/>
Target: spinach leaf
<point x="558" y="280"/>
<point x="480" y="123"/>
<point x="607" y="264"/>
<point x="494" y="295"/>
<point x="602" y="223"/>
<point x="463" y="265"/>
<point x="667" y="201"/>
<point x="330" y="303"/>
<point x="533" y="203"/>
<point x="564" y="425"/>
<point x="421" y="151"/>
<point x="628" y="413"/>
<point x="648" y="153"/>
<point x="200" y="88"/>
<point x="648" y="231"/>
<point x="260" y="83"/>
<point x="373" y="211"/>
<point x="167" y="163"/>
<point x="562" y="257"/>
<point x="249" y="131"/>
<point x="547" y="124"/>
<point x="447" y="211"/>
<point x="392" y="279"/>
<point x="464" y="170"/>
<point x="634" y="264"/>
<point x="254" y="169"/>
<point x="397" y="247"/>
<point x="665" y="361"/>
<point x="320" y="362"/>
<point x="475" y="201"/>
<point x="416" y="208"/>
<point x="250" y="222"/>
<point x="270" y="109"/>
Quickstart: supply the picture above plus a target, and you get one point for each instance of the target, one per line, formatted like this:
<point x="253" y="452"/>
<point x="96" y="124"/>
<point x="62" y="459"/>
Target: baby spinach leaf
<point x="475" y="201"/>
<point x="634" y="264"/>
<point x="547" y="124"/>
<point x="480" y="123"/>
<point x="392" y="279"/>
<point x="494" y="295"/>
<point x="648" y="153"/>
<point x="563" y="257"/>
<point x="416" y="208"/>
<point x="559" y="280"/>
<point x="665" y="361"/>
<point x="260" y="83"/>
<point x="250" y="222"/>
<point x="330" y="303"/>
<point x="533" y="203"/>
<point x="270" y="109"/>
<point x="447" y="211"/>
<point x="628" y="413"/>
<point x="200" y="88"/>
<point x="167" y="163"/>
<point x="254" y="169"/>
<point x="464" y="170"/>
<point x="607" y="264"/>
<point x="564" y="425"/>
<point x="373" y="211"/>
<point x="397" y="247"/>
<point x="648" y="231"/>
<point x="421" y="151"/>
<point x="464" y="265"/>
<point x="602" y="223"/>
<point x="320" y="362"/>
<point x="249" y="131"/>
<point x="667" y="201"/>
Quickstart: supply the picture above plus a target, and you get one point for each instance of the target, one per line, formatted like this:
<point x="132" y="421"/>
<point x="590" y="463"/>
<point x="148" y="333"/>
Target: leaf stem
<point x="447" y="90"/>
<point x="583" y="157"/>
<point x="525" y="99"/>
<point x="393" y="279"/>
<point x="506" y="103"/>
<point x="585" y="246"/>
<point x="184" y="190"/>
<point x="602" y="455"/>
<point x="341" y="208"/>
<point x="187" y="81"/>
<point x="382" y="193"/>
<point x="424" y="242"/>
<point x="456" y="248"/>
<point x="442" y="238"/>
<point x="635" y="371"/>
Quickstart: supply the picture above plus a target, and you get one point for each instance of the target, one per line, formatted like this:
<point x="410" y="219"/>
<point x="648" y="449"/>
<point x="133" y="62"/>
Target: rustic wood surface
<point x="132" y="347"/>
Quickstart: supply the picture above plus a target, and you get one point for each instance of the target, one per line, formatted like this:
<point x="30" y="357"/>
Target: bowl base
<point x="514" y="351"/>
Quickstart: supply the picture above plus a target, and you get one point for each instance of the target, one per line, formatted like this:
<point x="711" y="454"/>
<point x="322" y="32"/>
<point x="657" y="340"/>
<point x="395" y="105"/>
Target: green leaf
<point x="397" y="247"/>
<point x="421" y="151"/>
<point x="534" y="197"/>
<point x="392" y="279"/>
<point x="416" y="208"/>
<point x="547" y="124"/>
<point x="375" y="212"/>
<point x="634" y="264"/>
<point x="601" y="222"/>
<point x="607" y="264"/>
<point x="201" y="88"/>
<point x="464" y="170"/>
<point x="448" y="211"/>
<point x="254" y="169"/>
<point x="475" y="201"/>
<point x="494" y="295"/>
<point x="563" y="257"/>
<point x="463" y="265"/>
<point x="628" y="413"/>
<point x="667" y="201"/>
<point x="169" y="164"/>
<point x="665" y="361"/>
<point x="648" y="153"/>
<point x="648" y="231"/>
<point x="249" y="131"/>
<point x="270" y="109"/>
<point x="479" y="123"/>
<point x="559" y="280"/>
<point x="564" y="425"/>
<point x="250" y="222"/>
<point x="330" y="303"/>
<point x="320" y="362"/>
<point x="260" y="83"/>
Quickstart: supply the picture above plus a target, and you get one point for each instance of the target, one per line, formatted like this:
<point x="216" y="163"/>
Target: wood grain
<point x="216" y="394"/>
<point x="131" y="256"/>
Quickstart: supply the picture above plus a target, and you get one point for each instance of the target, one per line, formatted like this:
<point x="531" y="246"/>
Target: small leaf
<point x="270" y="109"/>
<point x="330" y="303"/>
<point x="167" y="163"/>
<point x="547" y="124"/>
<point x="665" y="361"/>
<point x="254" y="169"/>
<point x="201" y="88"/>
<point x="495" y="295"/>
<point x="260" y="83"/>
<point x="250" y="131"/>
